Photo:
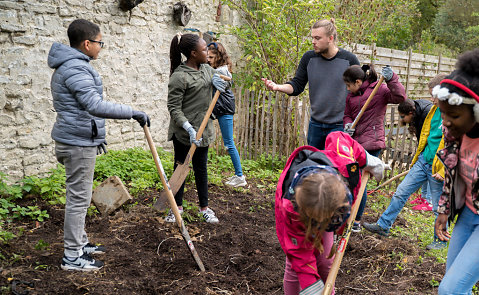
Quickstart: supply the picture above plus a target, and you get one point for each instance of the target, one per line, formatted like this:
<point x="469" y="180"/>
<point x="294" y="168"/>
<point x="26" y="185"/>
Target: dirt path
<point x="241" y="254"/>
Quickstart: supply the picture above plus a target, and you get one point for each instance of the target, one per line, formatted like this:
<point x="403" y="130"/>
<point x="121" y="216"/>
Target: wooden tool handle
<point x="365" y="106"/>
<point x="206" y="118"/>
<point x="392" y="179"/>
<point x="171" y="199"/>
<point x="333" y="273"/>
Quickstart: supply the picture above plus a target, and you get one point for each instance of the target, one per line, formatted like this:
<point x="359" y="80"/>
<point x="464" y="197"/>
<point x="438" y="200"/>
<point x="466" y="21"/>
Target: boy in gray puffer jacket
<point x="79" y="133"/>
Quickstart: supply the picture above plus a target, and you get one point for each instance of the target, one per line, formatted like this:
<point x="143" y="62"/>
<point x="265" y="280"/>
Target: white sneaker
<point x="82" y="263"/>
<point x="230" y="178"/>
<point x="237" y="181"/>
<point x="210" y="216"/>
<point x="171" y="217"/>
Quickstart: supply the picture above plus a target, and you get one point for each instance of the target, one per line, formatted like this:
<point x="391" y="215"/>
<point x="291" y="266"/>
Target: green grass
<point x="419" y="224"/>
<point x="136" y="169"/>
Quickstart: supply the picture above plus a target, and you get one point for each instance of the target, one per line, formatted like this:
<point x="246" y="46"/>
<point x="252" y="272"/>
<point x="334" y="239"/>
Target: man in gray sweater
<point x="323" y="68"/>
<point x="79" y="133"/>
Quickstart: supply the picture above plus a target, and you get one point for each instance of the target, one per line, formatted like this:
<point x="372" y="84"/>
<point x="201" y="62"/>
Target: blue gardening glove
<point x="101" y="148"/>
<point x="192" y="132"/>
<point x="218" y="83"/>
<point x="314" y="289"/>
<point x="348" y="129"/>
<point x="387" y="73"/>
<point x="141" y="117"/>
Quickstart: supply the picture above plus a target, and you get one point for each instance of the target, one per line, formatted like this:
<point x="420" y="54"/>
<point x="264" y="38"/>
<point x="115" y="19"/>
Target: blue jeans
<point x="462" y="267"/>
<point x="362" y="206"/>
<point x="425" y="194"/>
<point x="317" y="132"/>
<point x="226" y="126"/>
<point x="420" y="172"/>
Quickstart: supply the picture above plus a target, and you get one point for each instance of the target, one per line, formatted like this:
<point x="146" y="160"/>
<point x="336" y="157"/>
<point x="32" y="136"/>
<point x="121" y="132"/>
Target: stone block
<point x="110" y="195"/>
<point x="3" y="99"/>
<point x="11" y="28"/>
<point x="11" y="5"/>
<point x="27" y="40"/>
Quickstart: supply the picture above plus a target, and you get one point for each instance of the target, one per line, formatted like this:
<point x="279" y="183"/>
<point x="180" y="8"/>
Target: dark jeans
<point x="317" y="132"/>
<point x="362" y="206"/>
<point x="200" y="161"/>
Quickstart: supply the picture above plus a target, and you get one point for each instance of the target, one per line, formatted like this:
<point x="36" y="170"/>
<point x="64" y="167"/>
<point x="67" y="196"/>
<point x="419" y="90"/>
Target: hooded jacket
<point x="437" y="166"/>
<point x="341" y="152"/>
<point x="77" y="92"/>
<point x="190" y="93"/>
<point x="370" y="127"/>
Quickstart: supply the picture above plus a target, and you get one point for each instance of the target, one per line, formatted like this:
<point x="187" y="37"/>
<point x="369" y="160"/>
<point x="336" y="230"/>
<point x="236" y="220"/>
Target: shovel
<point x="333" y="273"/>
<point x="365" y="106"/>
<point x="182" y="170"/>
<point x="171" y="199"/>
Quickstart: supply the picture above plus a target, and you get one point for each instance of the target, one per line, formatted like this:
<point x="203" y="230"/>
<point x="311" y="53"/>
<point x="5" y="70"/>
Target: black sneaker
<point x="375" y="228"/>
<point x="94" y="249"/>
<point x="82" y="263"/>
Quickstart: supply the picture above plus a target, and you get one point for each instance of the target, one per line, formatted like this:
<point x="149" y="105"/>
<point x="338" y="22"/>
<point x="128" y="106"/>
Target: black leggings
<point x="200" y="161"/>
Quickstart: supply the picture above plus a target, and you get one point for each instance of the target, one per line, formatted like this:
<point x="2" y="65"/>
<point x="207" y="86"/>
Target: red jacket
<point x="341" y="152"/>
<point x="370" y="128"/>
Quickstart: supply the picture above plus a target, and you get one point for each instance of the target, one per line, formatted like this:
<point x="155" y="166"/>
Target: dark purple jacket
<point x="370" y="128"/>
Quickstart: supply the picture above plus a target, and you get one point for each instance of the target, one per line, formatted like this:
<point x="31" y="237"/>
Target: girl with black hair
<point x="369" y="131"/>
<point x="458" y="97"/>
<point x="190" y="91"/>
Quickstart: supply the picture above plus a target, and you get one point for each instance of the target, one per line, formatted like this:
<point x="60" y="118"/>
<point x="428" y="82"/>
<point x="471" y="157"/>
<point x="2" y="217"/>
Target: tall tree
<point x="427" y="13"/>
<point x="276" y="33"/>
<point x="456" y="24"/>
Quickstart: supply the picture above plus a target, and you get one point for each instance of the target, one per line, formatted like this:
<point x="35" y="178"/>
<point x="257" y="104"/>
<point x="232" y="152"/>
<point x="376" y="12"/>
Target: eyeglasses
<point x="99" y="42"/>
<point x="402" y="116"/>
<point x="215" y="45"/>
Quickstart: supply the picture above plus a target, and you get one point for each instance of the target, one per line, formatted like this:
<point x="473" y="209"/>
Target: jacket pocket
<point x="94" y="130"/>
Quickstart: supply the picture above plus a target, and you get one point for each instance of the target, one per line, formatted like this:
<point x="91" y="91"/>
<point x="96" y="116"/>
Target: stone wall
<point x="134" y="65"/>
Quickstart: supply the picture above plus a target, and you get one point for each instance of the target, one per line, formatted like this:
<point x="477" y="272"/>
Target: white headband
<point x="443" y="94"/>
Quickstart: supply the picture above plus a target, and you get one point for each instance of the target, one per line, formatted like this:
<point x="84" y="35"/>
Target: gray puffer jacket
<point x="77" y="93"/>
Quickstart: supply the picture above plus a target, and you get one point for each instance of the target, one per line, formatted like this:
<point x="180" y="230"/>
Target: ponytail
<point x="364" y="73"/>
<point x="370" y="73"/>
<point x="181" y="44"/>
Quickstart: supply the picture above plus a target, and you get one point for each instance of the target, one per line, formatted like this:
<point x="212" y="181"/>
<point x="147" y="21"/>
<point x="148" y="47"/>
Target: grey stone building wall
<point x="134" y="66"/>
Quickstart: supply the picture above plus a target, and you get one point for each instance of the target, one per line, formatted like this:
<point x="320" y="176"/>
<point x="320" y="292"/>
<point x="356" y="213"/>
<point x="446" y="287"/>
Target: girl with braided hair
<point x="458" y="97"/>
<point x="190" y="91"/>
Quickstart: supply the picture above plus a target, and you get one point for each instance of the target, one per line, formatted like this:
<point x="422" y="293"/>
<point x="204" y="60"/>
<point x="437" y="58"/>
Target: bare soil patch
<point x="241" y="253"/>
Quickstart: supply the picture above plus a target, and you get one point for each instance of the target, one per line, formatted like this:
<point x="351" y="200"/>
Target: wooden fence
<point x="274" y="124"/>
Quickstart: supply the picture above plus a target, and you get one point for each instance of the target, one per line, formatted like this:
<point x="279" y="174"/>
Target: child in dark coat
<point x="369" y="130"/>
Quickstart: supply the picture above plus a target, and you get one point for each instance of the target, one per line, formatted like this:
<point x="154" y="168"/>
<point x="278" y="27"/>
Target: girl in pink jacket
<point x="313" y="200"/>
<point x="369" y="131"/>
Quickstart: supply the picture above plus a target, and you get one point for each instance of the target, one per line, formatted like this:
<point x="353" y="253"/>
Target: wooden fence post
<point x="408" y="72"/>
